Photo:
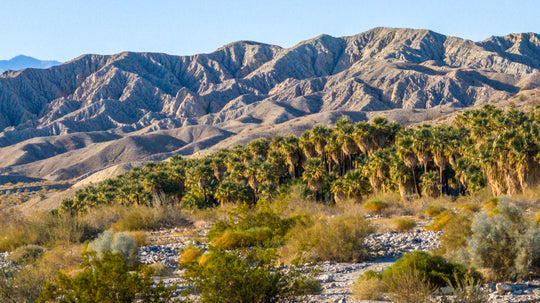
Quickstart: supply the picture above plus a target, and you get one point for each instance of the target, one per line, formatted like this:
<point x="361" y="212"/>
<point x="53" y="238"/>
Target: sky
<point x="65" y="29"/>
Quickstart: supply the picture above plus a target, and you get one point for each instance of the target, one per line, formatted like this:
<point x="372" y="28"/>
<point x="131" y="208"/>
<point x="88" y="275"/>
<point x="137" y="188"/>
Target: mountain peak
<point x="22" y="61"/>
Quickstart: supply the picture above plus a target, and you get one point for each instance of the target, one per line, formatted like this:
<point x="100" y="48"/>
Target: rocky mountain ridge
<point x="21" y="62"/>
<point x="96" y="111"/>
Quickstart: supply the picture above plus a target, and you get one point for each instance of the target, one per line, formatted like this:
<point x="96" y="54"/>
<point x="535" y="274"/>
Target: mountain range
<point x="21" y="62"/>
<point x="98" y="111"/>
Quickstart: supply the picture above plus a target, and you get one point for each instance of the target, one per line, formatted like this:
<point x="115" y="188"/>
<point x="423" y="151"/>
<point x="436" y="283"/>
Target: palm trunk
<point x="415" y="183"/>
<point x="441" y="181"/>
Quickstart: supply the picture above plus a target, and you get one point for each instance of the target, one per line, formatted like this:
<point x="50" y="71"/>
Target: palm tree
<point x="430" y="184"/>
<point x="344" y="129"/>
<point x="218" y="164"/>
<point x="229" y="191"/>
<point x="441" y="150"/>
<point x="314" y="175"/>
<point x="293" y="154"/>
<point x="307" y="145"/>
<point x="363" y="135"/>
<point x="334" y="154"/>
<point x="259" y="148"/>
<point x="421" y="145"/>
<point x="406" y="153"/>
<point x="384" y="132"/>
<point x="401" y="175"/>
<point x="376" y="169"/>
<point x="203" y="174"/>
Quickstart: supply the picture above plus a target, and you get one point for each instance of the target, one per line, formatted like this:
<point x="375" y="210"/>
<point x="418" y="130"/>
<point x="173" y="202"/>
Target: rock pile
<point x="167" y="254"/>
<point x="393" y="244"/>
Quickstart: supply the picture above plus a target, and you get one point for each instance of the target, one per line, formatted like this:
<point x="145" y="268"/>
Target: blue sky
<point x="65" y="29"/>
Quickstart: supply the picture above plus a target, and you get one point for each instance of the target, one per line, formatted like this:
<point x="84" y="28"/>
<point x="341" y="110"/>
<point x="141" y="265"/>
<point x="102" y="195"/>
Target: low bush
<point x="490" y="204"/>
<point x="190" y="254"/>
<point x="115" y="283"/>
<point x="248" y="227"/>
<point x="412" y="278"/>
<point x="505" y="242"/>
<point x="469" y="207"/>
<point x="26" y="254"/>
<point x="433" y="210"/>
<point x="466" y="291"/>
<point x="258" y="236"/>
<point x="46" y="229"/>
<point x="456" y="232"/>
<point x="111" y="242"/>
<point x="151" y="218"/>
<point x="375" y="206"/>
<point x="436" y="270"/>
<point x="440" y="221"/>
<point x="161" y="270"/>
<point x="25" y="283"/>
<point x="367" y="288"/>
<point x="339" y="239"/>
<point x="404" y="224"/>
<point x="226" y="277"/>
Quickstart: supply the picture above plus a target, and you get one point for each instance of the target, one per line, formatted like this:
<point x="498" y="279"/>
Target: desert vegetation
<point x="273" y="207"/>
<point x="485" y="147"/>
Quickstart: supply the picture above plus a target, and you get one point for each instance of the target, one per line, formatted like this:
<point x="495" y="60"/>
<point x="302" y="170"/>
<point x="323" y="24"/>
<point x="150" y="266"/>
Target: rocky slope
<point x="96" y="111"/>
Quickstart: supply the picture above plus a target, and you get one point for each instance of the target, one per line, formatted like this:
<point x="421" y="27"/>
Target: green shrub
<point x="339" y="239"/>
<point x="436" y="270"/>
<point x="433" y="210"/>
<point x="225" y="277"/>
<point x="24" y="283"/>
<point x="404" y="224"/>
<point x="413" y="278"/>
<point x="505" y="242"/>
<point x="252" y="227"/>
<point x="375" y="206"/>
<point x="106" y="279"/>
<point x="26" y="254"/>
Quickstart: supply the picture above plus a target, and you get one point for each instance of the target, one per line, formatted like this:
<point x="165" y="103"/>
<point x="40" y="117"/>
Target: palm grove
<point x="485" y="147"/>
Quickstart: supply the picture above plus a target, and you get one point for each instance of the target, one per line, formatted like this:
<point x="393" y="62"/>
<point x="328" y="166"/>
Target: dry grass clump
<point x="537" y="218"/>
<point x="339" y="239"/>
<point x="368" y="289"/>
<point x="440" y="221"/>
<point x="404" y="224"/>
<point x="257" y="236"/>
<point x="490" y="204"/>
<point x="375" y="206"/>
<point x="433" y="210"/>
<point x="412" y="278"/>
<point x="161" y="270"/>
<point x="26" y="254"/>
<point x="44" y="229"/>
<point x="190" y="254"/>
<point x="469" y="207"/>
<point x="151" y="218"/>
<point x="456" y="232"/>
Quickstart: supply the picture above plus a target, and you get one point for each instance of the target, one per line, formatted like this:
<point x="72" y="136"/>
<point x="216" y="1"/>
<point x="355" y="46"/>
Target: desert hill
<point x="98" y="111"/>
